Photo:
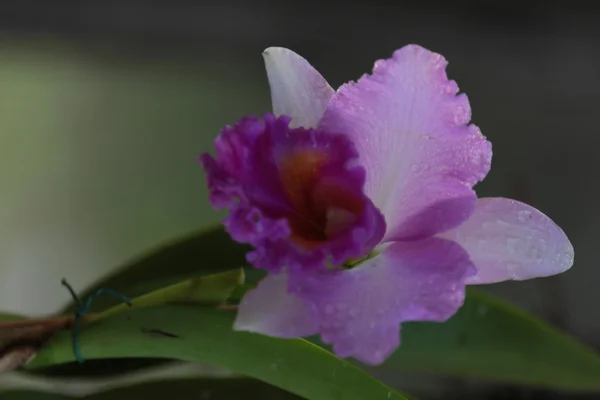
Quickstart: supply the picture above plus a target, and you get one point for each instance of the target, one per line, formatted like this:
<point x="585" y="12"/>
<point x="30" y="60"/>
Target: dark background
<point x="104" y="106"/>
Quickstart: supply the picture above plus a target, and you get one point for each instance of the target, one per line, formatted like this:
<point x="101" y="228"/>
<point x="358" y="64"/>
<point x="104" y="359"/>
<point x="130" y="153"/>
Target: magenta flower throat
<point x="360" y="204"/>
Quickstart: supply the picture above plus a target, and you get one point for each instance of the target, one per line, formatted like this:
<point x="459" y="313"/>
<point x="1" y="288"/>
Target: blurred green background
<point x="99" y="159"/>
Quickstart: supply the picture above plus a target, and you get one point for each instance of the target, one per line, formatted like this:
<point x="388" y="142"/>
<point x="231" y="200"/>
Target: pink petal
<point x="507" y="239"/>
<point x="359" y="310"/>
<point x="297" y="89"/>
<point x="411" y="130"/>
<point x="271" y="310"/>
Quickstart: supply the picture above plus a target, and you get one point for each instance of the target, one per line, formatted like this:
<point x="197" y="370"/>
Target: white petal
<point x="271" y="310"/>
<point x="297" y="89"/>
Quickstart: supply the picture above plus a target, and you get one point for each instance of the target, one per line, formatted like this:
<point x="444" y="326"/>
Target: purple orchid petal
<point x="411" y="130"/>
<point x="507" y="239"/>
<point x="269" y="309"/>
<point x="297" y="89"/>
<point x="359" y="310"/>
<point x="295" y="195"/>
<point x="309" y="199"/>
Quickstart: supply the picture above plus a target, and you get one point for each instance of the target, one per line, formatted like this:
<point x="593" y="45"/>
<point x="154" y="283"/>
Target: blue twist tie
<point x="81" y="310"/>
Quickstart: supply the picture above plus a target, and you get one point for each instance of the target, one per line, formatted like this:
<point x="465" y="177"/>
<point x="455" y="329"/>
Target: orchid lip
<point x="294" y="194"/>
<point x="321" y="208"/>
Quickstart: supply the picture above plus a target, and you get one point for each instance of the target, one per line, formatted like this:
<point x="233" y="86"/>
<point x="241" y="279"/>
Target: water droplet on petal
<point x="502" y="224"/>
<point x="512" y="267"/>
<point x="524" y="215"/>
<point x="511" y="245"/>
<point x="461" y="115"/>
<point x="482" y="243"/>
<point x="416" y="168"/>
<point x="488" y="226"/>
<point x="534" y="252"/>
<point x="378" y="354"/>
<point x="539" y="260"/>
<point x="451" y="88"/>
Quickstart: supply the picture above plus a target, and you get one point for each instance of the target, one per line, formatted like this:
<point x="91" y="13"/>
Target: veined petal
<point x="297" y="89"/>
<point x="507" y="239"/>
<point x="359" y="310"/>
<point x="411" y="130"/>
<point x="269" y="309"/>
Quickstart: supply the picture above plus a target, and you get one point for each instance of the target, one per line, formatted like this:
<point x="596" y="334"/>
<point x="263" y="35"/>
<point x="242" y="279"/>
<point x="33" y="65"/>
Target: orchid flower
<point x="359" y="203"/>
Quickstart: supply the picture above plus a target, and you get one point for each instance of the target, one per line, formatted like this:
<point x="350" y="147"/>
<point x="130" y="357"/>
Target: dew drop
<point x="488" y="226"/>
<point x="482" y="243"/>
<point x="512" y="267"/>
<point x="524" y="215"/>
<point x="511" y="245"/>
<point x="378" y="354"/>
<point x="436" y="59"/>
<point x="534" y="252"/>
<point x="379" y="64"/>
<point x="416" y="168"/>
<point x="502" y="224"/>
<point x="460" y="116"/>
<point x="539" y="260"/>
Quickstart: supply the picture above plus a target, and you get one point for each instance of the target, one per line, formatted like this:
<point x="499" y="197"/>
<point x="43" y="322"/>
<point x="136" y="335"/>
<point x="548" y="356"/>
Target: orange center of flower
<point x="322" y="208"/>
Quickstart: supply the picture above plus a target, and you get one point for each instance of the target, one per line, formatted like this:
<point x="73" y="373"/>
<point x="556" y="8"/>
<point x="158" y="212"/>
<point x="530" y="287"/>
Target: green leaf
<point x="5" y="317"/>
<point x="213" y="389"/>
<point x="204" y="253"/>
<point x="205" y="335"/>
<point x="98" y="369"/>
<point x="489" y="338"/>
<point x="31" y="395"/>
<point x="209" y="290"/>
